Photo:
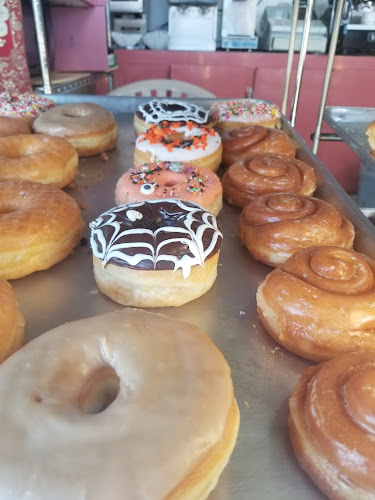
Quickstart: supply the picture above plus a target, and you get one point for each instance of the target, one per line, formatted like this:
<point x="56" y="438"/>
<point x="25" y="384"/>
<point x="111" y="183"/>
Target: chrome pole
<point x="328" y="73"/>
<point x="301" y="60"/>
<point x="289" y="64"/>
<point x="42" y="45"/>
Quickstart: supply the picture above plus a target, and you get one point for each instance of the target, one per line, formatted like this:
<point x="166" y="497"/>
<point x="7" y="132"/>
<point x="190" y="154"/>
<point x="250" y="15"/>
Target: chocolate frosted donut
<point x="167" y="110"/>
<point x="155" y="253"/>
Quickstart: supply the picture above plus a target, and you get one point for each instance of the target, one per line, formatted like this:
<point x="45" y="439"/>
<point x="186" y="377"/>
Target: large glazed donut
<point x="321" y="302"/>
<point x="370" y="132"/>
<point x="237" y="113"/>
<point x="175" y="142"/>
<point x="26" y="106"/>
<point x="13" y="126"/>
<point x="40" y="225"/>
<point x="240" y="144"/>
<point x="89" y="127"/>
<point x="157" y="111"/>
<point x="11" y="321"/>
<point x="128" y="404"/>
<point x="38" y="158"/>
<point x="156" y="253"/>
<point x="263" y="174"/>
<point x="171" y="180"/>
<point x="274" y="226"/>
<point x="331" y="425"/>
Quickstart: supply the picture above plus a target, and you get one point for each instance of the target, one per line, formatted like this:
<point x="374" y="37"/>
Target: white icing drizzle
<point x="133" y="215"/>
<point x="153" y="251"/>
<point x="163" y="110"/>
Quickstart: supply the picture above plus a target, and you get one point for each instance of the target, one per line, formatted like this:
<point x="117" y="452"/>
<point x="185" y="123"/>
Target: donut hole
<point x="6" y="209"/>
<point x="75" y="112"/>
<point x="99" y="391"/>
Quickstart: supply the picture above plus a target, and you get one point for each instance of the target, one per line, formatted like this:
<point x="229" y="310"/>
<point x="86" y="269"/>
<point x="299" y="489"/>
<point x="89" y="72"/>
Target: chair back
<point x="161" y="88"/>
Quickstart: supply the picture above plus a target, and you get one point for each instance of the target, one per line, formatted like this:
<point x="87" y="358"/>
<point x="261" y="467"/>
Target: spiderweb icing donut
<point x="121" y="402"/>
<point x="175" y="142"/>
<point x="170" y="180"/>
<point x="157" y="111"/>
<point x="156" y="253"/>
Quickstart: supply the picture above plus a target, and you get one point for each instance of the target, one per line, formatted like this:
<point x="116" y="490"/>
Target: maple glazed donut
<point x="157" y="111"/>
<point x="26" y="106"/>
<point x="331" y="425"/>
<point x="263" y="174"/>
<point x="40" y="225"/>
<point x="90" y="128"/>
<point x="11" y="321"/>
<point x="274" y="226"/>
<point x="175" y="142"/>
<point x="171" y="180"/>
<point x="13" y="126"/>
<point x="38" y="158"/>
<point x="238" y="113"/>
<point x="321" y="302"/>
<point x="129" y="387"/>
<point x="242" y="143"/>
<point x="155" y="253"/>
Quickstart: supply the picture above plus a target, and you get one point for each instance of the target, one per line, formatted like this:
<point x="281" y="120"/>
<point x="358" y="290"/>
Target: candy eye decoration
<point x="148" y="188"/>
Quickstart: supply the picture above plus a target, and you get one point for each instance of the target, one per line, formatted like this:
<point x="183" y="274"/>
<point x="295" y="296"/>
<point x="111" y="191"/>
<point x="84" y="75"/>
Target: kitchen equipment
<point x="192" y="26"/>
<point x="275" y="27"/>
<point x="126" y="6"/>
<point x="238" y="24"/>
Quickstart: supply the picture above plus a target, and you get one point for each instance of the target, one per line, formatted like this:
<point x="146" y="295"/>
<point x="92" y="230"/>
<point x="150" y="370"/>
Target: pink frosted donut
<point x="25" y="106"/>
<point x="170" y="180"/>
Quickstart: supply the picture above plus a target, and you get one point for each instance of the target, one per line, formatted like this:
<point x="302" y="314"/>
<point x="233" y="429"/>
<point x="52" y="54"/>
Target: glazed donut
<point x="89" y="127"/>
<point x="11" y="321"/>
<point x="38" y="158"/>
<point x="274" y="226"/>
<point x="132" y="388"/>
<point x="157" y="111"/>
<point x="174" y="142"/>
<point x="13" y="126"/>
<point x="171" y="180"/>
<point x="320" y="302"/>
<point x="155" y="253"/>
<point x="40" y="225"/>
<point x="24" y="106"/>
<point x="242" y="143"/>
<point x="238" y="113"/>
<point x="370" y="132"/>
<point x="331" y="425"/>
<point x="263" y="174"/>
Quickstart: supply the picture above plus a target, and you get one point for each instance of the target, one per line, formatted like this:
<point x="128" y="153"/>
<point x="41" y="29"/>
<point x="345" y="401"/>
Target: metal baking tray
<point x="350" y="124"/>
<point x="263" y="465"/>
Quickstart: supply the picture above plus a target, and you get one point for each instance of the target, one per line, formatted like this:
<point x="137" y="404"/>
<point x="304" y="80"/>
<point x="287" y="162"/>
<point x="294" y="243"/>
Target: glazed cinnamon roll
<point x="320" y="302"/>
<point x="241" y="143"/>
<point x="274" y="226"/>
<point x="331" y="425"/>
<point x="263" y="174"/>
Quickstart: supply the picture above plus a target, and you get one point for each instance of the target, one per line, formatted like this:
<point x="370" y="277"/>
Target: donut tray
<point x="263" y="465"/>
<point x="350" y="124"/>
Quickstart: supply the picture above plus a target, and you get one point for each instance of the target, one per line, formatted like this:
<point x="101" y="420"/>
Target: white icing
<point x="160" y="152"/>
<point x="192" y="238"/>
<point x="133" y="215"/>
<point x="160" y="110"/>
<point x="147" y="188"/>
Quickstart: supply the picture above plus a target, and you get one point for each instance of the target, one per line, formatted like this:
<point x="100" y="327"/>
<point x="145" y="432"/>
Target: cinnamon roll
<point x="241" y="143"/>
<point x="331" y="425"/>
<point x="320" y="302"/>
<point x="155" y="253"/>
<point x="263" y="174"/>
<point x="274" y="226"/>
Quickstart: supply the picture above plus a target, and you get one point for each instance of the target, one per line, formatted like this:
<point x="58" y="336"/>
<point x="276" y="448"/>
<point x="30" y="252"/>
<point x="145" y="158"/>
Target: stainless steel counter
<point x="263" y="465"/>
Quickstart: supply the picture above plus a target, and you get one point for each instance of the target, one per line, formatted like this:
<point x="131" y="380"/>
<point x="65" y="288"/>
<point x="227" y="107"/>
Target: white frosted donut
<point x="169" y="110"/>
<point x="89" y="127"/>
<point x="241" y="112"/>
<point x="156" y="253"/>
<point x="113" y="405"/>
<point x="24" y="106"/>
<point x="174" y="142"/>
